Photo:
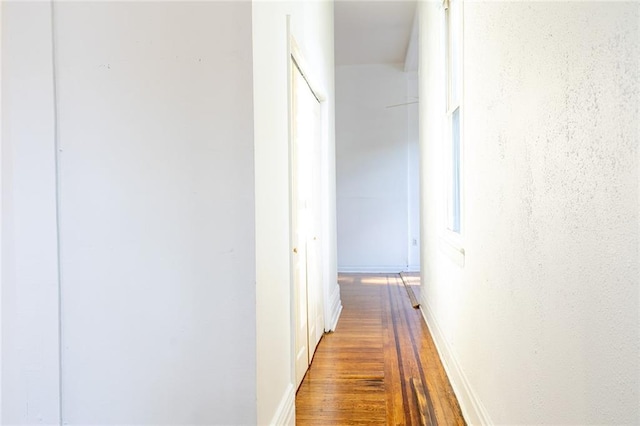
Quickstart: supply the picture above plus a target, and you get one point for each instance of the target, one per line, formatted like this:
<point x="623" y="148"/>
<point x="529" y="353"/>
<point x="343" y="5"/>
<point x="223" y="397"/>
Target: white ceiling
<point x="372" y="31"/>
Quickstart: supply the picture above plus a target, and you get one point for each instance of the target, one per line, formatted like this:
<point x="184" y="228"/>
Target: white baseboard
<point x="472" y="408"/>
<point x="286" y="413"/>
<point x="395" y="269"/>
<point x="335" y="309"/>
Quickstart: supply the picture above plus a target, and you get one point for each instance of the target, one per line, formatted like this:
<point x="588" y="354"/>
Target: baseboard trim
<point x="373" y="269"/>
<point x="335" y="309"/>
<point x="286" y="413"/>
<point x="472" y="408"/>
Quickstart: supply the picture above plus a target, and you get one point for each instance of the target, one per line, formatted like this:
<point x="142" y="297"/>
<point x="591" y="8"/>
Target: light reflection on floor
<point x="365" y="279"/>
<point x="411" y="279"/>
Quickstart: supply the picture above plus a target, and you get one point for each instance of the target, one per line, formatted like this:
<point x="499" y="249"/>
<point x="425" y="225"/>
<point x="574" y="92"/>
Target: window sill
<point x="451" y="245"/>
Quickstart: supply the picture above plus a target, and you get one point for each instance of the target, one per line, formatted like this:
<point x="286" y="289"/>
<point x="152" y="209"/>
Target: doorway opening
<point x="377" y="138"/>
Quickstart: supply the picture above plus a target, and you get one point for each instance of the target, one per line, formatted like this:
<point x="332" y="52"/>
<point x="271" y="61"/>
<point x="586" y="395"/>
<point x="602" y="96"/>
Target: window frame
<point x="452" y="33"/>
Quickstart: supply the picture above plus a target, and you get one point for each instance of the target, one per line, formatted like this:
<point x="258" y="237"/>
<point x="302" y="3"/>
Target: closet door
<point x="306" y="256"/>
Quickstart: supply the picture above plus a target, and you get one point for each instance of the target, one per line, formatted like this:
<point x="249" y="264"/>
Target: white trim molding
<point x="335" y="309"/>
<point x="451" y="245"/>
<point x="393" y="269"/>
<point x="285" y="415"/>
<point x="472" y="408"/>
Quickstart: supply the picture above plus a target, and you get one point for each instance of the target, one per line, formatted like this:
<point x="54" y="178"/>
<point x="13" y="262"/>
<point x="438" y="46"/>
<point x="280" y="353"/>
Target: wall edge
<point x="285" y="413"/>
<point x="471" y="406"/>
<point x="335" y="308"/>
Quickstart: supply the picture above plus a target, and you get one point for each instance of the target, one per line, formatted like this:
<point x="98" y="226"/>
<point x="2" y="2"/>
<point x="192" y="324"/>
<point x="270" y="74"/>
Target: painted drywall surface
<point x="157" y="216"/>
<point x="30" y="380"/>
<point x="312" y="27"/>
<point x="1" y="214"/>
<point x="543" y="318"/>
<point x="413" y="170"/>
<point x="372" y="152"/>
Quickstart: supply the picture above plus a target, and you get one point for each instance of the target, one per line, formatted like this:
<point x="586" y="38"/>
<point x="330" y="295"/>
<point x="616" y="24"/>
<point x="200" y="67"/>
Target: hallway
<point x="363" y="372"/>
<point x="147" y="243"/>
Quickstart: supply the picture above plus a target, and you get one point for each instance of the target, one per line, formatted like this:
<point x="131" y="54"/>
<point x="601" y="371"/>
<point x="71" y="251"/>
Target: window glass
<point x="455" y="171"/>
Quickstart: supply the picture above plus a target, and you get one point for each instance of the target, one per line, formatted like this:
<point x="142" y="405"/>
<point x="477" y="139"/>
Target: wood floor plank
<point x="421" y="399"/>
<point x="381" y="355"/>
<point x="397" y="408"/>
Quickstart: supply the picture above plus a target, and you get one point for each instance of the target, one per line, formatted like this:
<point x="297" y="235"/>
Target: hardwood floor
<point x="380" y="366"/>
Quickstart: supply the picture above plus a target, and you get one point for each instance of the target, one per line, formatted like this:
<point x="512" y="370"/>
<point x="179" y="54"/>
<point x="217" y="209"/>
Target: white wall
<point x="157" y="216"/>
<point x="541" y="323"/>
<point x="156" y="196"/>
<point x="373" y="168"/>
<point x="30" y="373"/>
<point x="312" y="27"/>
<point x="1" y="214"/>
<point x="413" y="170"/>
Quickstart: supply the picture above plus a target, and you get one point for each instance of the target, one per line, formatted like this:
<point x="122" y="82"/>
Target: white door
<point x="314" y="244"/>
<point x="306" y="257"/>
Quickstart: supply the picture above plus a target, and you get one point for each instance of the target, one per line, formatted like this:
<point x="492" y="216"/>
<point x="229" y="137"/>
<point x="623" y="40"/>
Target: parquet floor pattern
<point x="362" y="373"/>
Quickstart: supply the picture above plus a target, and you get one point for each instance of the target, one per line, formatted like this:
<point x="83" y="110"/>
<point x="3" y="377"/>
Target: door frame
<point x="294" y="54"/>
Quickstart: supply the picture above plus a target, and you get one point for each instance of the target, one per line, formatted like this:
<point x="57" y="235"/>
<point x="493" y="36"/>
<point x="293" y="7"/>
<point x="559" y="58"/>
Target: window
<point x="453" y="49"/>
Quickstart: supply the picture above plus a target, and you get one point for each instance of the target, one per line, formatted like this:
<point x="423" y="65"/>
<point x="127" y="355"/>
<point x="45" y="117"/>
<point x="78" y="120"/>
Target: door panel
<point x="299" y="226"/>
<point x="315" y="315"/>
<point x="307" y="258"/>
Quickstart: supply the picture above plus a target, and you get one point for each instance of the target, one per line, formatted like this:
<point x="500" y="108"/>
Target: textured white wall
<point x="30" y="374"/>
<point x="541" y="323"/>
<point x="372" y="158"/>
<point x="312" y="27"/>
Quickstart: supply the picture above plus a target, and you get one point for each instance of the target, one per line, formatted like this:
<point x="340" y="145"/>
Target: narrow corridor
<point x="380" y="366"/>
